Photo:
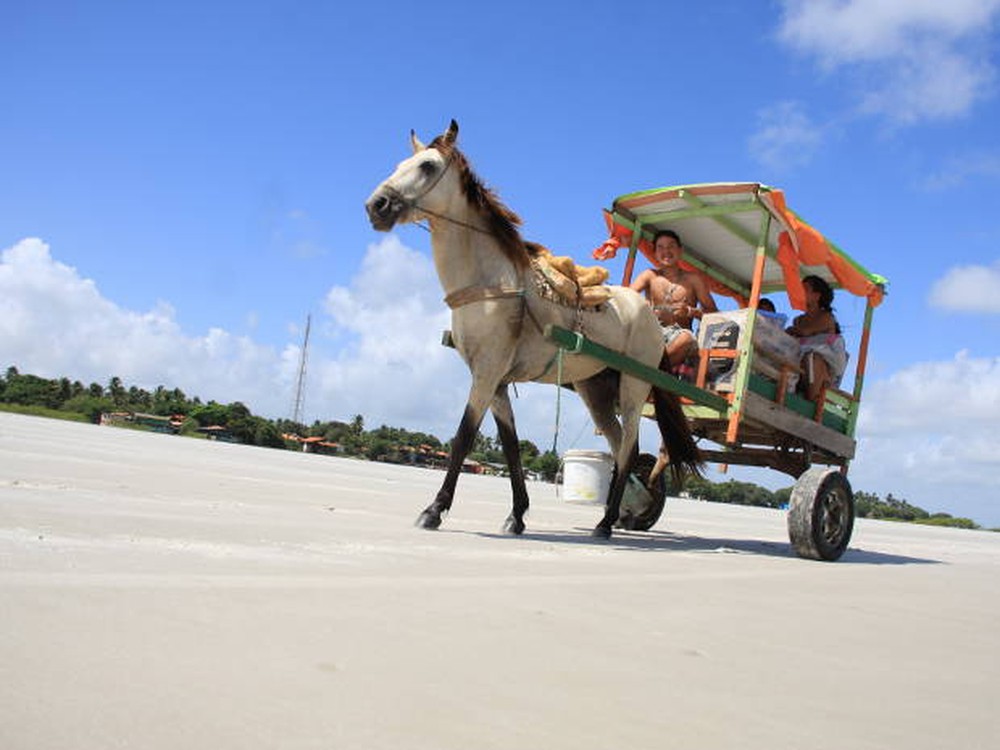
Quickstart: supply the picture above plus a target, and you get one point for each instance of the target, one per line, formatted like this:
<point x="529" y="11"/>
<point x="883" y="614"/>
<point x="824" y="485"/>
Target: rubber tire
<point x="643" y="519"/>
<point x="821" y="514"/>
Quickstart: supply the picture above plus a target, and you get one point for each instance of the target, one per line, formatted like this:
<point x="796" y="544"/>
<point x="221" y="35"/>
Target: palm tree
<point x="116" y="391"/>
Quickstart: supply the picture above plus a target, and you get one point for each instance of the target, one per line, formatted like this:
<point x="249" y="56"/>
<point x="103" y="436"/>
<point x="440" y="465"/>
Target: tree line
<point x="866" y="504"/>
<point x="61" y="396"/>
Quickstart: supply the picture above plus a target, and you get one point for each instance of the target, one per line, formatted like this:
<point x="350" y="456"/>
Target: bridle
<point x="476" y="293"/>
<point x="413" y="204"/>
<point x="469" y="294"/>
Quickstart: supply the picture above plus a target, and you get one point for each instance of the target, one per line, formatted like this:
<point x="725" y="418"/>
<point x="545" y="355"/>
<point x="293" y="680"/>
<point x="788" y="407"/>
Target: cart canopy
<point x="721" y="226"/>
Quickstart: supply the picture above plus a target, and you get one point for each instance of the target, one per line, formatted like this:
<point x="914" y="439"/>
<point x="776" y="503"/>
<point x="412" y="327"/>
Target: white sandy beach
<point x="162" y="592"/>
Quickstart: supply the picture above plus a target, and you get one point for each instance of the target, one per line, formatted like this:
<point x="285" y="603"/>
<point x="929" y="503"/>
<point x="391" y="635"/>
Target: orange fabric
<point x="618" y="237"/>
<point x="802" y="245"/>
<point x="809" y="247"/>
<point x="608" y="249"/>
<point x="789" y="263"/>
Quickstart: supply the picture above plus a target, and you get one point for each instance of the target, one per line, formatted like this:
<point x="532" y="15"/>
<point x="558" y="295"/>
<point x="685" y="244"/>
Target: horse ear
<point x="416" y="142"/>
<point x="452" y="134"/>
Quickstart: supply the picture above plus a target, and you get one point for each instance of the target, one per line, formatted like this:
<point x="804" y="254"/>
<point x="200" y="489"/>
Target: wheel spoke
<point x="833" y="517"/>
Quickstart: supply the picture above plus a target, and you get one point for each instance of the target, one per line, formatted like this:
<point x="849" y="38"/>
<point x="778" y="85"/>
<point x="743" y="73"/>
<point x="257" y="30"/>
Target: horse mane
<point x="502" y="223"/>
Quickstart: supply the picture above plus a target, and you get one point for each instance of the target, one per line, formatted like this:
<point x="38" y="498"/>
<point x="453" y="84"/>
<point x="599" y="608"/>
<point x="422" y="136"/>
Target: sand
<point x="164" y="592"/>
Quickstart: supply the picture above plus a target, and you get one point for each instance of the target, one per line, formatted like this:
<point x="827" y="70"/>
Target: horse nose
<point x="379" y="206"/>
<point x="382" y="210"/>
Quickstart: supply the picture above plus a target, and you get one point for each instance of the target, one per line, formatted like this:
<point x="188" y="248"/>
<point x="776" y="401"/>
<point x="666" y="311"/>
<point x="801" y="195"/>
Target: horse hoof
<point x="627" y="522"/>
<point x="429" y="520"/>
<point x="601" y="532"/>
<point x="513" y="526"/>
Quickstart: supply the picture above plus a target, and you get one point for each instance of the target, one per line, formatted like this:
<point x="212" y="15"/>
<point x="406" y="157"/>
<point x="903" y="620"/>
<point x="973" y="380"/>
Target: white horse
<point x="498" y="319"/>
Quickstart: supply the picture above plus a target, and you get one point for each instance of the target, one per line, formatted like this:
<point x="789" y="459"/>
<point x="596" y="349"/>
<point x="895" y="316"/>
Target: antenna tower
<point x="300" y="385"/>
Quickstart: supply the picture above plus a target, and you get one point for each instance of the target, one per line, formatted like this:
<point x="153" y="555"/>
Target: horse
<point x="499" y="314"/>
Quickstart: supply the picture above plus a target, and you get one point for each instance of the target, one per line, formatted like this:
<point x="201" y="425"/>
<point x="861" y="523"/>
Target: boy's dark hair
<point x="667" y="233"/>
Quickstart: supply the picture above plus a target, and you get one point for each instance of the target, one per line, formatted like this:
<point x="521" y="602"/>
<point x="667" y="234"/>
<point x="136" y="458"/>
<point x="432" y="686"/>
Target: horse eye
<point x="427" y="168"/>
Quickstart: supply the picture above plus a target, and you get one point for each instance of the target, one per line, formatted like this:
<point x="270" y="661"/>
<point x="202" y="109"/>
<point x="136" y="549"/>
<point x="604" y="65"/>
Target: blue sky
<point x="182" y="185"/>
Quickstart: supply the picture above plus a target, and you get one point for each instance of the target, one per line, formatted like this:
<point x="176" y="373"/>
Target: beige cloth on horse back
<point x="575" y="285"/>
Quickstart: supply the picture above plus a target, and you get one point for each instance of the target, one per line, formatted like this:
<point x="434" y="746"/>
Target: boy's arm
<point x="641" y="282"/>
<point x="704" y="296"/>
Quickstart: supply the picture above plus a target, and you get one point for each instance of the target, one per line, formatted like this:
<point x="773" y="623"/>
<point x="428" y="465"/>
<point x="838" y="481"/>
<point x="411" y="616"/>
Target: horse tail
<point x="685" y="458"/>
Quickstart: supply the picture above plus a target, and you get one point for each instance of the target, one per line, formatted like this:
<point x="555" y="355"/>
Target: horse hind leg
<point x="503" y="414"/>
<point x="599" y="394"/>
<point x="632" y="395"/>
<point x="612" y="508"/>
<point x="678" y="441"/>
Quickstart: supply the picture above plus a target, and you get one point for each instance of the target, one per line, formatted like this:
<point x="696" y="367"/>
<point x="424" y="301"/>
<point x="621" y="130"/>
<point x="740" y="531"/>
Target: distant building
<point x="152" y="422"/>
<point x="218" y="432"/>
<point x="315" y="444"/>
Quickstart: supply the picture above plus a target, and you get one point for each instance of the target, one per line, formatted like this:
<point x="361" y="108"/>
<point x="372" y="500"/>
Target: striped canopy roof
<point x="721" y="226"/>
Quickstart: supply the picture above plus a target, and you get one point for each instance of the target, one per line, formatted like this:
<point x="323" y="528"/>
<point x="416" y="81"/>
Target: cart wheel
<point x="641" y="504"/>
<point x="821" y="514"/>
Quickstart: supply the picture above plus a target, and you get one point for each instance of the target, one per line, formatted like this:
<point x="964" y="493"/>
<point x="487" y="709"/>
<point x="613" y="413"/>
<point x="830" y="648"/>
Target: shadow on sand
<point x="665" y="541"/>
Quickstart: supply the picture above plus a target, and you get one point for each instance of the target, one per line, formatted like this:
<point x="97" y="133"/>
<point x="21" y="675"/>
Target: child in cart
<point x="677" y="296"/>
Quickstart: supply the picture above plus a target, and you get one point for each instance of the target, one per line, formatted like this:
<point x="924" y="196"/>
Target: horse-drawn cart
<point x="743" y="400"/>
<point x="510" y="320"/>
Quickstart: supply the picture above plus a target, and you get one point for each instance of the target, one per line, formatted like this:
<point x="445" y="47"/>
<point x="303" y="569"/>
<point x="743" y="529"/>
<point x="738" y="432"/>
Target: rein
<point x="476" y="293"/>
<point x="469" y="294"/>
<point x="415" y="204"/>
<point x="456" y="222"/>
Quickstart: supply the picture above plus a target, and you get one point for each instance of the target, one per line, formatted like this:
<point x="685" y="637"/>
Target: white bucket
<point x="587" y="476"/>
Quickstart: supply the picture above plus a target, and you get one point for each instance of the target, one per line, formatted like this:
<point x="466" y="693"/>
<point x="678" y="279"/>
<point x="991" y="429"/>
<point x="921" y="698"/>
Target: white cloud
<point x="785" y="137"/>
<point x="968" y="289"/>
<point x="920" y="59"/>
<point x="293" y="231"/>
<point x="928" y="434"/>
<point x="952" y="397"/>
<point x="392" y="369"/>
<point x="960" y="169"/>
<point x="845" y="31"/>
<point x="396" y="371"/>
<point x="54" y="322"/>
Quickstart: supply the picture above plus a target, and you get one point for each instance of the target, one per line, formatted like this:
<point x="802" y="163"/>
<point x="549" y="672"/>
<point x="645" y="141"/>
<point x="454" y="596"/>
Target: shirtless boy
<point x="677" y="296"/>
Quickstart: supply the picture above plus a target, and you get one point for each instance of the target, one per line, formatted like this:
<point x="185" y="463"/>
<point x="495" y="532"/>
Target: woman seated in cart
<point x="824" y="357"/>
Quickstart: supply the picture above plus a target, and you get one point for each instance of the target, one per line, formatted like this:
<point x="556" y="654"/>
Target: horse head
<point x="437" y="183"/>
<point x="413" y="187"/>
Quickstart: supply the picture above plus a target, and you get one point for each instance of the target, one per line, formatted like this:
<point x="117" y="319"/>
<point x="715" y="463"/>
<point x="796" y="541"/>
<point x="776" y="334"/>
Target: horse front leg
<point x="461" y="444"/>
<point x="479" y="399"/>
<point x="503" y="414"/>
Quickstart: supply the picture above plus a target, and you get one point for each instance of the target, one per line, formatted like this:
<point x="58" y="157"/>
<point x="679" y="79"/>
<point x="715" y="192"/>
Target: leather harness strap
<point x="472" y="294"/>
